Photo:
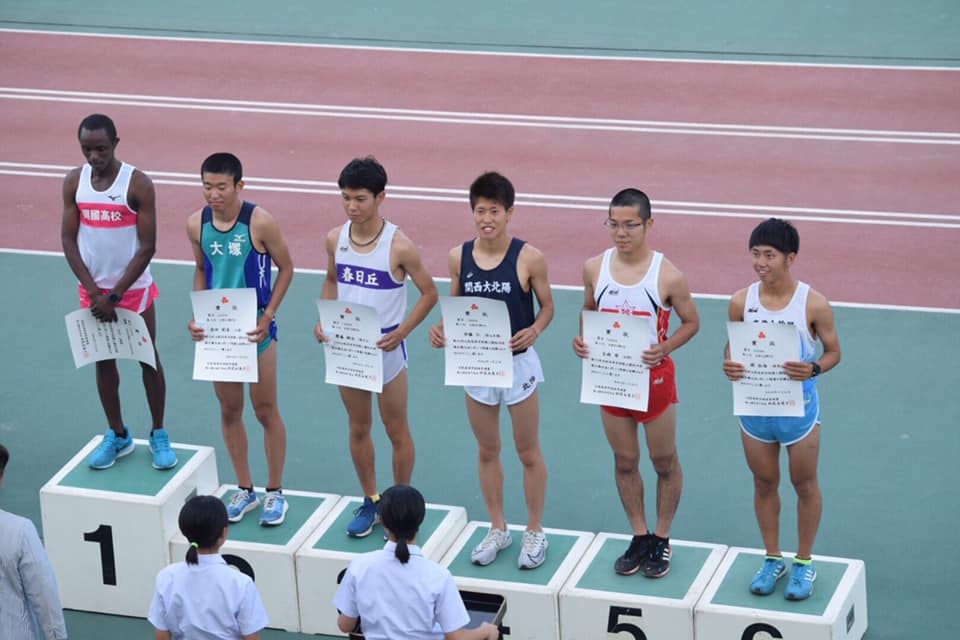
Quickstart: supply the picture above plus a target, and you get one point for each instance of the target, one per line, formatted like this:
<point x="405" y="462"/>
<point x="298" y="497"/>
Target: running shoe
<point x="800" y="586"/>
<point x="636" y="555"/>
<point x="534" y="549"/>
<point x="111" y="447"/>
<point x="365" y="518"/>
<point x="765" y="582"/>
<point x="658" y="562"/>
<point x="241" y="502"/>
<point x="163" y="455"/>
<point x="495" y="541"/>
<point x="274" y="509"/>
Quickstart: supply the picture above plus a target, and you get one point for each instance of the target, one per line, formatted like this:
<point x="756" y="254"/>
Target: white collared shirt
<point x="415" y="601"/>
<point x="209" y="601"/>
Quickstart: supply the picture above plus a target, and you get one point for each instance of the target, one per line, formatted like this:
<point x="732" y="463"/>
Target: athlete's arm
<point x="437" y="337"/>
<point x="329" y="291"/>
<point x="734" y="370"/>
<point x="69" y="230"/>
<point x="675" y="293"/>
<point x="591" y="270"/>
<point x="408" y="259"/>
<point x="264" y="228"/>
<point x="199" y="267"/>
<point x="532" y="261"/>
<point x="820" y="316"/>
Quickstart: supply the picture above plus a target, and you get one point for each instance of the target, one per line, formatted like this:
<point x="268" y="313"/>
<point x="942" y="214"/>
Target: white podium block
<point x="596" y="602"/>
<point x="531" y="594"/>
<point x="268" y="552"/>
<point x="837" y="610"/>
<point x="107" y="531"/>
<point x="326" y="554"/>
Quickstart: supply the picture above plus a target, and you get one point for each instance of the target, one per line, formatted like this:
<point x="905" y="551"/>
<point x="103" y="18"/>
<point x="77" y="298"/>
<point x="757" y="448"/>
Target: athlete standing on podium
<point x="109" y="233"/>
<point x="234" y="243"/>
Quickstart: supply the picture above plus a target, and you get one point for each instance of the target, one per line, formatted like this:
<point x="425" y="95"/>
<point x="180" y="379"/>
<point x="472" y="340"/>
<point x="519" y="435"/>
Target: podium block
<point x="107" y="531"/>
<point x="326" y="554"/>
<point x="837" y="610"/>
<point x="266" y="554"/>
<point x="531" y="594"/>
<point x="596" y="602"/>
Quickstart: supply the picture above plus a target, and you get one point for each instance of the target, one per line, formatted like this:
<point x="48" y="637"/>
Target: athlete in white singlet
<point x="368" y="260"/>
<point x="109" y="233"/>
<point x="780" y="298"/>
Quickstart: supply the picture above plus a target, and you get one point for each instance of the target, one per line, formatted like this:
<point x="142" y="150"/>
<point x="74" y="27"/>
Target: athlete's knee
<point x="766" y="485"/>
<point x="488" y="452"/>
<point x="530" y="456"/>
<point x="665" y="464"/>
<point x="398" y="431"/>
<point x="626" y="464"/>
<point x="267" y="413"/>
<point x="806" y="487"/>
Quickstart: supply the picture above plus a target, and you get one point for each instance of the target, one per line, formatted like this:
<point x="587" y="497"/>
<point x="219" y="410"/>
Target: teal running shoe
<point x="241" y="502"/>
<point x="765" y="582"/>
<point x="365" y="518"/>
<point x="800" y="586"/>
<point x="163" y="455"/>
<point x="274" y="509"/>
<point x="111" y="447"/>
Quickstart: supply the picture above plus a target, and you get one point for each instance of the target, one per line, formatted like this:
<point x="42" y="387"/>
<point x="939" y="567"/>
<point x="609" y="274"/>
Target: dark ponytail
<point x="202" y="520"/>
<point x="402" y="510"/>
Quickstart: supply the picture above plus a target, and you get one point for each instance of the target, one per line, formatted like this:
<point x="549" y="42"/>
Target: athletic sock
<point x="247" y="489"/>
<point x="375" y="497"/>
<point x="277" y="489"/>
<point x="806" y="562"/>
<point x="769" y="557"/>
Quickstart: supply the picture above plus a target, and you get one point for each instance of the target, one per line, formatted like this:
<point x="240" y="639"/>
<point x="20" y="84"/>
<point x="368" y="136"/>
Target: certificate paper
<point x="352" y="356"/>
<point x="762" y="348"/>
<point x="92" y="340"/>
<point x="478" y="342"/>
<point x="225" y="354"/>
<point x="614" y="374"/>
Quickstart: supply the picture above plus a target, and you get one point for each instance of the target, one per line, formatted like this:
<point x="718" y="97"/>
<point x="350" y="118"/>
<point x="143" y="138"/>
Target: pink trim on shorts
<point x="136" y="300"/>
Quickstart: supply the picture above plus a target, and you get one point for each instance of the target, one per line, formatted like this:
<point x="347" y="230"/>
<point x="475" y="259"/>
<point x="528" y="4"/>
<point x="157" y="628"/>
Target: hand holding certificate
<point x="614" y="373"/>
<point x="478" y="336"/>
<point x="765" y="389"/>
<point x="350" y="348"/>
<point x="226" y="353"/>
<point x="92" y="340"/>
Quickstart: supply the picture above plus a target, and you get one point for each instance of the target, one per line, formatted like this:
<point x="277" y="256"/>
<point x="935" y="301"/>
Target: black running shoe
<point x="658" y="560"/>
<point x="638" y="551"/>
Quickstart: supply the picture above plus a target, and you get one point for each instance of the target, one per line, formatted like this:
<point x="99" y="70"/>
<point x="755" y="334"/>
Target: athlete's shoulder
<point x="529" y="253"/>
<point x="816" y="300"/>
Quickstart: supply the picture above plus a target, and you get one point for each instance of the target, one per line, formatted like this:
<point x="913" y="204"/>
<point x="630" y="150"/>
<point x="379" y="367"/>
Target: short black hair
<point x="364" y="173"/>
<point x="494" y="187"/>
<point x="632" y="198"/>
<point x="4" y="458"/>
<point x="97" y="121"/>
<point x="223" y="163"/>
<point x="402" y="510"/>
<point x="776" y="233"/>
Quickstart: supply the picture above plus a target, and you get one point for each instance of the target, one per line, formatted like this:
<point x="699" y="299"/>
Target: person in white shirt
<point x="396" y="592"/>
<point x="203" y="597"/>
<point x="29" y="601"/>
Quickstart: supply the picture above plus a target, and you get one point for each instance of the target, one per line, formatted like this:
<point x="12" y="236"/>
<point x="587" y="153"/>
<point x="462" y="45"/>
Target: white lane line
<point x="561" y="287"/>
<point x="488" y="119"/>
<point x="580" y="203"/>
<point x="479" y="52"/>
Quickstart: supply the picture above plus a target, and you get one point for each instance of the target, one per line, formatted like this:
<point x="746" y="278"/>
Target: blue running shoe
<point x="163" y="455"/>
<point x="111" y="448"/>
<point x="365" y="518"/>
<point x="241" y="502"/>
<point x="800" y="586"/>
<point x="765" y="582"/>
<point x="274" y="509"/>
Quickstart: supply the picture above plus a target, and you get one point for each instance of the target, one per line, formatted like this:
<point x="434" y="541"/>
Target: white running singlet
<point x="108" y="229"/>
<point x="641" y="299"/>
<point x="794" y="313"/>
<point x="366" y="278"/>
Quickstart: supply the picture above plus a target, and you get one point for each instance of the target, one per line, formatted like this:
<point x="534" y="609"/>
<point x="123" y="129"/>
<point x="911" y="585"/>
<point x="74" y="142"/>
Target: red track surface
<point x="866" y="263"/>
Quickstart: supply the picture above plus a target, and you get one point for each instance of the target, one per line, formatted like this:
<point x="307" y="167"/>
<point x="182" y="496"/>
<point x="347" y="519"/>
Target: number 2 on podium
<point x="615" y="626"/>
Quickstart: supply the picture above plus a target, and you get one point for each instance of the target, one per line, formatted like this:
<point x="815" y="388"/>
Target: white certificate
<point x="92" y="340"/>
<point x="351" y="353"/>
<point x="762" y="348"/>
<point x="225" y="354"/>
<point x="614" y="374"/>
<point x="478" y="352"/>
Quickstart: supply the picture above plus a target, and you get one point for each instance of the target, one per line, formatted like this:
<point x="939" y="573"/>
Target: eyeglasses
<point x="629" y="227"/>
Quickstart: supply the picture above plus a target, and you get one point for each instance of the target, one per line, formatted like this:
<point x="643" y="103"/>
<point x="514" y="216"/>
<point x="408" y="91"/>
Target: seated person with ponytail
<point x="396" y="591"/>
<point x="204" y="597"/>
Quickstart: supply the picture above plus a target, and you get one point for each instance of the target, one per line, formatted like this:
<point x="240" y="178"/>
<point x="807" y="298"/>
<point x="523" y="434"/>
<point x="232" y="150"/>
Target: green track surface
<point x="923" y="32"/>
<point x="888" y="456"/>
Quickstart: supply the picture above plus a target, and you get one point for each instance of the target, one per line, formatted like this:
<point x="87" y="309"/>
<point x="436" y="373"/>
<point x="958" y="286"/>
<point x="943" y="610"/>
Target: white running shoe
<point x="534" y="550"/>
<point x="495" y="541"/>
